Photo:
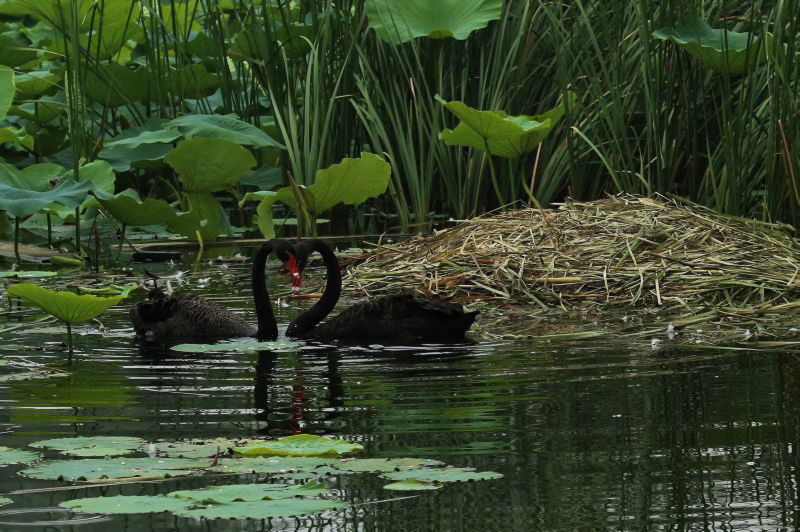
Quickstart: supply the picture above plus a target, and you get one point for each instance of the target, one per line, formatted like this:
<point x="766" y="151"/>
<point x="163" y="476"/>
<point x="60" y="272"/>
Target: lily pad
<point x="399" y="21"/>
<point x="506" y="136"/>
<point x="449" y="474"/>
<point x="208" y="165"/>
<point x="282" y="464"/>
<point x="126" y="504"/>
<point x="300" y="445"/>
<point x="93" y="445"/>
<point x="66" y="306"/>
<point x="262" y="509"/>
<point x="244" y="346"/>
<point x="28" y="274"/>
<point x="385" y="465"/>
<point x="17" y="456"/>
<point x="196" y="448"/>
<point x="128" y="208"/>
<point x="21" y="202"/>
<point x="412" y="485"/>
<point x="95" y="468"/>
<point x="223" y="127"/>
<point x="727" y="52"/>
<point x="250" y="492"/>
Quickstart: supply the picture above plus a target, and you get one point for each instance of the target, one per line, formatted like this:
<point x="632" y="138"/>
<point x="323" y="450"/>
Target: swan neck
<point x="267" y="326"/>
<point x="309" y="319"/>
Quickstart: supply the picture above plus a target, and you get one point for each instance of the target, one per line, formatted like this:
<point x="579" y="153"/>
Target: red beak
<point x="294" y="273"/>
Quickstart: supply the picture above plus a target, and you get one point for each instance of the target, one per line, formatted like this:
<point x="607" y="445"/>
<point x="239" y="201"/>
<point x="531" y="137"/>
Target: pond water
<point x="587" y="436"/>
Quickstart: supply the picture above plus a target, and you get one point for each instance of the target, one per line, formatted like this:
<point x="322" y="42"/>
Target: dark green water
<point x="588" y="437"/>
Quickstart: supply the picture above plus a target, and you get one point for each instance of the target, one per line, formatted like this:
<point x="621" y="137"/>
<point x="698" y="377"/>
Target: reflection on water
<point x="587" y="436"/>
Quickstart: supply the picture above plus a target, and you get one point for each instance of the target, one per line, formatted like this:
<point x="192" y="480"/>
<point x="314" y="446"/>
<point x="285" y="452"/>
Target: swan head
<point x="294" y="273"/>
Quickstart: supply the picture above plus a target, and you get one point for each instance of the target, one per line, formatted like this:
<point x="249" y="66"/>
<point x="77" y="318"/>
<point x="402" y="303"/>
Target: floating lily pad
<point x="92" y="445"/>
<point x="197" y="448"/>
<point x="450" y="474"/>
<point x="282" y="464"/>
<point x="245" y="346"/>
<point x="383" y="465"/>
<point x="250" y="492"/>
<point x="122" y="504"/>
<point x="262" y="509"/>
<point x="16" y="456"/>
<point x="29" y="274"/>
<point x="300" y="445"/>
<point x="94" y="468"/>
<point x="412" y="485"/>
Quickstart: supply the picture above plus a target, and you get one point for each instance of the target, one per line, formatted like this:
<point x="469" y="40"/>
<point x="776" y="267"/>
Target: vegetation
<point x="173" y="111"/>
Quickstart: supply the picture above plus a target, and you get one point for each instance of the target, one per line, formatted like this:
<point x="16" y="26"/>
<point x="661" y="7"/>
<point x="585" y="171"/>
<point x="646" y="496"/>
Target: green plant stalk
<point x="49" y="231"/>
<point x="121" y="240"/>
<point x="16" y="240"/>
<point x="492" y="171"/>
<point x="69" y="337"/>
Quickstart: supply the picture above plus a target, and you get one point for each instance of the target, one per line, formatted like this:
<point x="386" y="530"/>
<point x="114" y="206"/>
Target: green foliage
<point x="66" y="306"/>
<point x="399" y="21"/>
<point x="5" y="500"/>
<point x="127" y="504"/>
<point x="17" y="456"/>
<point x="6" y="89"/>
<point x="209" y="164"/>
<point x="227" y="128"/>
<point x="727" y="52"/>
<point x="300" y="445"/>
<point x="95" y="468"/>
<point x="127" y="208"/>
<point x="281" y="464"/>
<point x="22" y="274"/>
<point x="21" y="202"/>
<point x="250" y="492"/>
<point x="93" y="445"/>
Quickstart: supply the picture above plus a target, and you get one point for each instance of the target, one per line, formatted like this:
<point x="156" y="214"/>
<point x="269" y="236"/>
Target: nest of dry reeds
<point x="623" y="251"/>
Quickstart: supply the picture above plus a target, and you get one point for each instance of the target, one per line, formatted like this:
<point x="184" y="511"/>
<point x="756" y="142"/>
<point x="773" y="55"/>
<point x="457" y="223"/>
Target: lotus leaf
<point x="507" y="136"/>
<point x="31" y="85"/>
<point x="99" y="173"/>
<point x="262" y="509"/>
<point x="300" y="445"/>
<point x="449" y="474"/>
<point x="114" y="85"/>
<point x="95" y="468"/>
<point x="726" y="52"/>
<point x="204" y="217"/>
<point x="385" y="465"/>
<point x="227" y="127"/>
<point x="250" y="492"/>
<point x="16" y="456"/>
<point x="39" y="175"/>
<point x="399" y="21"/>
<point x="5" y="500"/>
<point x="196" y="448"/>
<point x="126" y="504"/>
<point x="208" y="164"/>
<point x="412" y="485"/>
<point x="111" y="290"/>
<point x="189" y="81"/>
<point x="92" y="445"/>
<point x="148" y="142"/>
<point x="6" y="89"/>
<point x="266" y="199"/>
<point x="21" y="202"/>
<point x="148" y="136"/>
<point x="28" y="274"/>
<point x="281" y="464"/>
<point x="127" y="208"/>
<point x="13" y="54"/>
<point x="66" y="306"/>
<point x="245" y="346"/>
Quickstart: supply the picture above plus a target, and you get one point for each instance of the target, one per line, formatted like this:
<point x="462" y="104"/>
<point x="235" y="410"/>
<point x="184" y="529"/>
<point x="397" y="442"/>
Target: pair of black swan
<point x="398" y="318"/>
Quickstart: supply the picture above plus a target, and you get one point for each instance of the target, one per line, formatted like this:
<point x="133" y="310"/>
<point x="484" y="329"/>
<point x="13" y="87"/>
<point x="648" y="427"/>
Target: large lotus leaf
<point x="56" y="13"/>
<point x="300" y="445"/>
<point x="31" y="85"/>
<point x="66" y="306"/>
<point x="243" y="346"/>
<point x="114" y="85"/>
<point x="450" y="474"/>
<point x="412" y="485"/>
<point x="399" y="21"/>
<point x="126" y="504"/>
<point x="189" y="81"/>
<point x="129" y="209"/>
<point x="351" y="182"/>
<point x="123" y="158"/>
<point x="96" y="468"/>
<point x="6" y="89"/>
<point x="279" y="464"/>
<point x="13" y="177"/>
<point x="385" y="465"/>
<point x="507" y="136"/>
<point x="147" y="136"/>
<point x="196" y="448"/>
<point x="262" y="509"/>
<point x="727" y="52"/>
<point x="20" y="202"/>
<point x="22" y="274"/>
<point x="250" y="492"/>
<point x="16" y="456"/>
<point x="179" y="18"/>
<point x="40" y="175"/>
<point x="204" y="217"/>
<point x="266" y="199"/>
<point x="92" y="445"/>
<point x="99" y="174"/>
<point x="148" y="142"/>
<point x="208" y="164"/>
<point x="14" y="54"/>
<point x="293" y="39"/>
<point x="227" y="127"/>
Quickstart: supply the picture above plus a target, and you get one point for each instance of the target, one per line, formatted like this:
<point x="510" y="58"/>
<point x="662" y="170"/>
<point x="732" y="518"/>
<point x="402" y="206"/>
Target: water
<point x="587" y="437"/>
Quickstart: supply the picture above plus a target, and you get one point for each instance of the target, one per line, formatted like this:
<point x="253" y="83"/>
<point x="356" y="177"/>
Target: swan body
<point x="398" y="318"/>
<point x="191" y="316"/>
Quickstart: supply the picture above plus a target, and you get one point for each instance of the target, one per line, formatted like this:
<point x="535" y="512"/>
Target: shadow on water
<point x="587" y="435"/>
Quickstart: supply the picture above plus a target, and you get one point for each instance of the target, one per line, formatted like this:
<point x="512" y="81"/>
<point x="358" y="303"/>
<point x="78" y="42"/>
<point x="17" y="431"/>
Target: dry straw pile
<point x="619" y="252"/>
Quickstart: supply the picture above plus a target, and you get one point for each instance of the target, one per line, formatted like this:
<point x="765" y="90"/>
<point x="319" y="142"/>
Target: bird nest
<point x="620" y="252"/>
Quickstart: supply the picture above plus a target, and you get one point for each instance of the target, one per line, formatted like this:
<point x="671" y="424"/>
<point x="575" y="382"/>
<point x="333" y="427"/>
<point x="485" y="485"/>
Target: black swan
<point x="191" y="316"/>
<point x="398" y="318"/>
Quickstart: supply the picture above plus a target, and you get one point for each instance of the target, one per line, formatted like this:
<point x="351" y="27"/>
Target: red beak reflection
<point x="294" y="273"/>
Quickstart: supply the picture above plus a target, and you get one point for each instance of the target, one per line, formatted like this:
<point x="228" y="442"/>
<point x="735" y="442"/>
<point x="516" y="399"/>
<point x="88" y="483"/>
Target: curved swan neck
<point x="267" y="326"/>
<point x="309" y="319"/>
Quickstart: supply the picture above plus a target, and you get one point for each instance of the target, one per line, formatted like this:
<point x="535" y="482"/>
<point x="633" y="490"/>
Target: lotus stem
<point x="78" y="230"/>
<point x="16" y="240"/>
<point x="492" y="171"/>
<point x="49" y="231"/>
<point x="121" y="240"/>
<point x="96" y="246"/>
<point x="69" y="337"/>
